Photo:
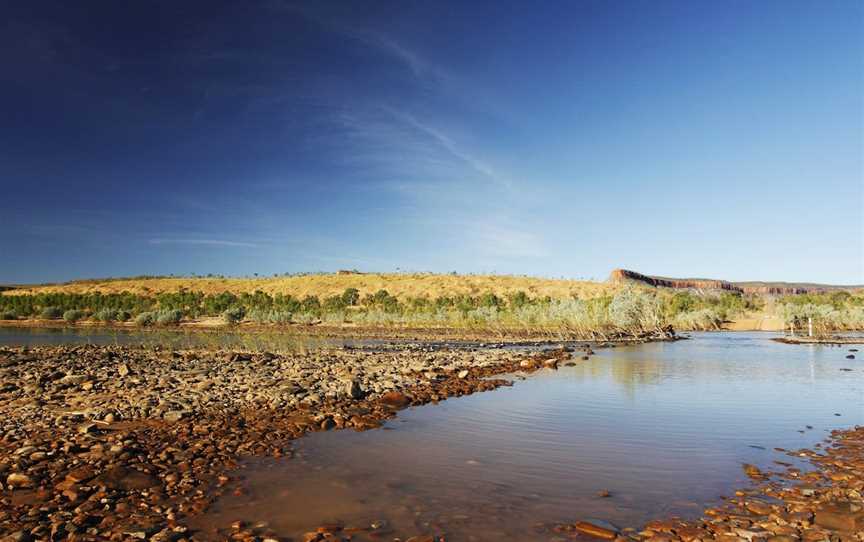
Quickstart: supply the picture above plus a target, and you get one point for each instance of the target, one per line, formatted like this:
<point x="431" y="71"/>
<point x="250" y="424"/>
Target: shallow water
<point x="663" y="427"/>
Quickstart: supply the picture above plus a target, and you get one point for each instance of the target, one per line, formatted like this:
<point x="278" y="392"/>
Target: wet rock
<point x="598" y="531"/>
<point x="841" y="516"/>
<point x="127" y="479"/>
<point x="752" y="471"/>
<point x="757" y="507"/>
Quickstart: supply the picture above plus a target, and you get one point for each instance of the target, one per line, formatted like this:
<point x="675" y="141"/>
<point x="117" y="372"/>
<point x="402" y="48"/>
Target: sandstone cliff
<point x="757" y="288"/>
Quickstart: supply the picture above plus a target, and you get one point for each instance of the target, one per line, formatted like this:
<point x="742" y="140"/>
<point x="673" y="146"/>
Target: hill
<point x="619" y="276"/>
<point x="400" y="285"/>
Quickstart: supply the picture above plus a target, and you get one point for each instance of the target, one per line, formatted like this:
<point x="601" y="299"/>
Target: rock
<point x="19" y="479"/>
<point x="353" y="389"/>
<point x="328" y="424"/>
<point x="81" y="474"/>
<point x="758" y="507"/>
<point x="128" y="479"/>
<point x="395" y="399"/>
<point x="752" y="471"/>
<point x="850" y="356"/>
<point x="123" y="369"/>
<point x="73" y="380"/>
<point x="88" y="427"/>
<point x="592" y="529"/>
<point x="174" y="415"/>
<point x="840" y="516"/>
<point x="462" y="374"/>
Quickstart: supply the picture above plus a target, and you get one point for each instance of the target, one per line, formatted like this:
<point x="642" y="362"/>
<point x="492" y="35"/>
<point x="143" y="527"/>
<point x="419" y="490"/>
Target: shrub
<point x="51" y="313"/>
<point x="270" y="317"/>
<point x="518" y="300"/>
<point x="350" y="297"/>
<point x="334" y="303"/>
<point x="73" y="315"/>
<point x="234" y="315"/>
<point x="123" y="316"/>
<point x="633" y="311"/>
<point x="107" y="315"/>
<point x="8" y="315"/>
<point x="702" y="319"/>
<point x="305" y="318"/>
<point x="311" y="304"/>
<point x="145" y="319"/>
<point x="170" y="317"/>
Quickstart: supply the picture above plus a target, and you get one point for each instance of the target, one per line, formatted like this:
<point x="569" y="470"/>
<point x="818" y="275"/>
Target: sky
<point x="561" y="139"/>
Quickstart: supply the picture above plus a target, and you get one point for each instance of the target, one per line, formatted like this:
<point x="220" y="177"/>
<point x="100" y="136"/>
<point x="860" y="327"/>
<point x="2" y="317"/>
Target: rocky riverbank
<point x="480" y="333"/>
<point x="836" y="341"/>
<point x="786" y="505"/>
<point x="129" y="444"/>
<point x="124" y="443"/>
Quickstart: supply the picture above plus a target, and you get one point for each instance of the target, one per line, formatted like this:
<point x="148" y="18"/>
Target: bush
<point x="73" y="315"/>
<point x="350" y="297"/>
<point x="270" y="317"/>
<point x="702" y="319"/>
<point x="145" y="319"/>
<point x="107" y="315"/>
<point x="170" y="317"/>
<point x="51" y="313"/>
<point x="8" y="315"/>
<point x="234" y="315"/>
<point x="123" y="316"/>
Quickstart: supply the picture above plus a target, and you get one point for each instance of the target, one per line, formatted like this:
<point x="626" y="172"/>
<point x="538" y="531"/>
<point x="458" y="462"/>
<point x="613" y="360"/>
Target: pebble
<point x="128" y="429"/>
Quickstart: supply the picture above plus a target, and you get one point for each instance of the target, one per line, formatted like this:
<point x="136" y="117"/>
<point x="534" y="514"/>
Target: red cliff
<point x="758" y="288"/>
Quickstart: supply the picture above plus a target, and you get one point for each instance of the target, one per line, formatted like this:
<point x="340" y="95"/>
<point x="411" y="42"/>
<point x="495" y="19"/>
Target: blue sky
<point x="721" y="139"/>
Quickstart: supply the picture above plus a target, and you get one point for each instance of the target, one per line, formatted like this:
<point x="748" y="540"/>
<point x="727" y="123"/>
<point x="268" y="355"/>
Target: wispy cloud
<point x="418" y="66"/>
<point x="451" y="147"/>
<point x="204" y="242"/>
<point x="384" y="44"/>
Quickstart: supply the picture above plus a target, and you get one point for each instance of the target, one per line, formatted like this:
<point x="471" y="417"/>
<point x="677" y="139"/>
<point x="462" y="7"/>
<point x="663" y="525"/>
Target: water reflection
<point x="663" y="427"/>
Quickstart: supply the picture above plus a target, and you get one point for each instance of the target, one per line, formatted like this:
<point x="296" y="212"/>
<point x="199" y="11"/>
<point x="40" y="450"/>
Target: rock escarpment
<point x="752" y="288"/>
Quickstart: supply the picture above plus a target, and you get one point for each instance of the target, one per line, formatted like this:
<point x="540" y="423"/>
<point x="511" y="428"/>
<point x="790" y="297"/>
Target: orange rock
<point x="595" y="530"/>
<point x="840" y="517"/>
<point x="395" y="399"/>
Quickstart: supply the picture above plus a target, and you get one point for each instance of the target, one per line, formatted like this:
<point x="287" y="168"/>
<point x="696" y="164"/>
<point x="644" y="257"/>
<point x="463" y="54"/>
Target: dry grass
<point x="399" y="285"/>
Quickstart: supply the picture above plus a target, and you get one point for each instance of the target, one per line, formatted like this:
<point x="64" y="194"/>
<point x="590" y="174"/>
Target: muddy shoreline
<point x="127" y="443"/>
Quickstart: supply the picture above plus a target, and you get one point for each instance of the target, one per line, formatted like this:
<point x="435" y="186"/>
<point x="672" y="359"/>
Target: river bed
<point x="662" y="428"/>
